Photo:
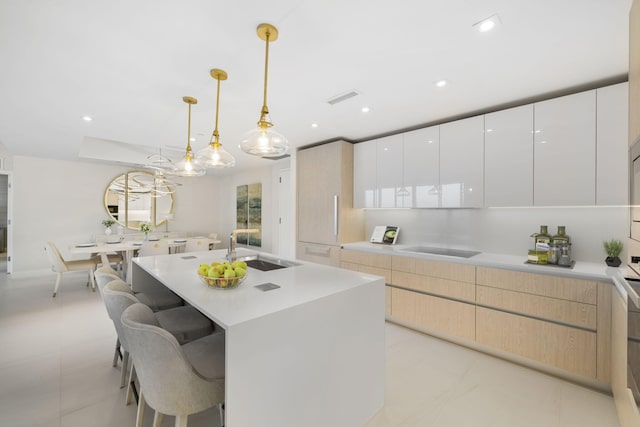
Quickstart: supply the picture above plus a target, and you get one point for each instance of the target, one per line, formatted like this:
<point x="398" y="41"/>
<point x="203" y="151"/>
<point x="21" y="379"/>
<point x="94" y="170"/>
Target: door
<point x="285" y="223"/>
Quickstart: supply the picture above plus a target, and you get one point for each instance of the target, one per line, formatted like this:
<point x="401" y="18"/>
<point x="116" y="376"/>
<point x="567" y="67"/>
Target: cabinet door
<point x="389" y="168"/>
<point x="422" y="167"/>
<point x="319" y="177"/>
<point x="508" y="160"/>
<point x="461" y="163"/>
<point x="364" y="175"/>
<point x="612" y="148"/>
<point x="565" y="151"/>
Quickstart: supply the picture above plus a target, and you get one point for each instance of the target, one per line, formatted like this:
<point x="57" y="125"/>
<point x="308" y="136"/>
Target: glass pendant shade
<point x="213" y="155"/>
<point x="189" y="166"/>
<point x="264" y="141"/>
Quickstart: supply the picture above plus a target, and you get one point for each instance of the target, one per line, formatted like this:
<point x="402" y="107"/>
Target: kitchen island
<point x="308" y="353"/>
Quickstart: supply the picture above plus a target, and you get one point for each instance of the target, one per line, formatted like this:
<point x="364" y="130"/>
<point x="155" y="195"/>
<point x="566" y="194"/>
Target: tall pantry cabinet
<point x="326" y="217"/>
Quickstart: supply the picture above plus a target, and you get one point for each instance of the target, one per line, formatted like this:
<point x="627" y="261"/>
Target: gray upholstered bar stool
<point x="158" y="299"/>
<point x="174" y="380"/>
<point x="185" y="322"/>
<point x="162" y="299"/>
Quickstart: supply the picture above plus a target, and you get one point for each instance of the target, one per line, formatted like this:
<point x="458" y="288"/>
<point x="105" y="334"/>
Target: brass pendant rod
<point x="266" y="75"/>
<point x="189" y="131"/>
<point x="216" y="135"/>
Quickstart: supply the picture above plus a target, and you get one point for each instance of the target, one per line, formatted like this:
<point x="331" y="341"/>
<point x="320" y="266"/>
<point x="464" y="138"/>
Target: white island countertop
<point x="299" y="285"/>
<point x="581" y="270"/>
<point x="309" y="353"/>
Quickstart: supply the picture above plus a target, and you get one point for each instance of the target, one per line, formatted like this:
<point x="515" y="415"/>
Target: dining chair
<point x="185" y="322"/>
<point x="61" y="266"/>
<point x="158" y="247"/>
<point x="175" y="379"/>
<point x="196" y="244"/>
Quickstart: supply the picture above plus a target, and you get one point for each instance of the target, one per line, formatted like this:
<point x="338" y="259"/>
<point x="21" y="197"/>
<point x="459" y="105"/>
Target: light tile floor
<point x="55" y="371"/>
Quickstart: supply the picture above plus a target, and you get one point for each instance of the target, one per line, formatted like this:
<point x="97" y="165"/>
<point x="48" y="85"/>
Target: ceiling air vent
<point x="339" y="98"/>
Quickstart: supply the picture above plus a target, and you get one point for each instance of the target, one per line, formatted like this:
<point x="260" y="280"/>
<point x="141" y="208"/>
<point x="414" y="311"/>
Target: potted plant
<point x="613" y="248"/>
<point x="145" y="227"/>
<point x="107" y="226"/>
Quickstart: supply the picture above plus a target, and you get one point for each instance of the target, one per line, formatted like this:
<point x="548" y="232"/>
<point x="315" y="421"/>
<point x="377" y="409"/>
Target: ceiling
<point x="128" y="64"/>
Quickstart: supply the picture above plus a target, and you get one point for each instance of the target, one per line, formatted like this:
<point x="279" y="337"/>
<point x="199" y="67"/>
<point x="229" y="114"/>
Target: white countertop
<point x="228" y="307"/>
<point x="581" y="270"/>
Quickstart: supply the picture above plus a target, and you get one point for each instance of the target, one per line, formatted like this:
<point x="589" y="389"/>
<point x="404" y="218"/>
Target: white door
<point x="285" y="215"/>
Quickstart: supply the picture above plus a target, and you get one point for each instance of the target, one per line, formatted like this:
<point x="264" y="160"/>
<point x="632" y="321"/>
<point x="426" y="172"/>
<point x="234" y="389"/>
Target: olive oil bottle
<point x="561" y="236"/>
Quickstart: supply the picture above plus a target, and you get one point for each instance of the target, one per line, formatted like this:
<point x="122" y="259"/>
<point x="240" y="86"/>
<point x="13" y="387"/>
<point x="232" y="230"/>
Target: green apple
<point x="213" y="273"/>
<point x="220" y="269"/>
<point x="229" y="273"/>
<point x="237" y="264"/>
<point x="203" y="269"/>
<point x="240" y="272"/>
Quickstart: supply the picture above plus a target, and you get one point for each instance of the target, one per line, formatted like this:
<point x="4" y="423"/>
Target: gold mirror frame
<point x="135" y="197"/>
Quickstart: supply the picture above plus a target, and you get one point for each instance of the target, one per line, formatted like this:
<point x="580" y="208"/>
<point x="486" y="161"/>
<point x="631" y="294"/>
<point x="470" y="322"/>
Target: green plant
<point x="108" y="222"/>
<point x="613" y="247"/>
<point x="145" y="227"/>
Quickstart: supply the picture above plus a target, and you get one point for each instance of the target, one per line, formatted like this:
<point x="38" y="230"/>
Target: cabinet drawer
<point x="570" y="312"/>
<point x="444" y="270"/>
<point x="451" y="317"/>
<point x="386" y="273"/>
<point x="567" y="348"/>
<point x="321" y="254"/>
<point x="366" y="258"/>
<point x="584" y="291"/>
<point x="435" y="285"/>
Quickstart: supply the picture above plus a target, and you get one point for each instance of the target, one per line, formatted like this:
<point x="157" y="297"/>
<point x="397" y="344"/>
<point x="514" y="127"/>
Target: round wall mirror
<point x="138" y="196"/>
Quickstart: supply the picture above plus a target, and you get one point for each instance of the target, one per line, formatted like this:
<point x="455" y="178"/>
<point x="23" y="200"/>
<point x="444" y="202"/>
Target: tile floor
<point x="55" y="370"/>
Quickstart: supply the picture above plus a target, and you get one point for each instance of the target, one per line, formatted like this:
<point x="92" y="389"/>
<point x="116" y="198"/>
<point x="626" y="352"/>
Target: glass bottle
<point x="561" y="236"/>
<point x="543" y="238"/>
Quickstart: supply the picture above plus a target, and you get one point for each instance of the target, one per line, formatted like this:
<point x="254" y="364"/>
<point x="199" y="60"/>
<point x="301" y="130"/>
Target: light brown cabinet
<point x="325" y="201"/>
<point x="370" y="263"/>
<point x="439" y="296"/>
<point x="562" y="322"/>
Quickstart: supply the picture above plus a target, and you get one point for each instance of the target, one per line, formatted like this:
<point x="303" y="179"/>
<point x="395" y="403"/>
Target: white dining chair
<point x="174" y="380"/>
<point x="157" y="247"/>
<point x="60" y="266"/>
<point x="196" y="244"/>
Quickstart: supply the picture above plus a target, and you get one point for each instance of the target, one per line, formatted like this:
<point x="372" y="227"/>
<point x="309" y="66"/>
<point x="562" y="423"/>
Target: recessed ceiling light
<point x="365" y="109"/>
<point x="441" y="83"/>
<point x="489" y="130"/>
<point x="192" y="139"/>
<point x="314" y="125"/>
<point x="87" y="118"/>
<point x="487" y="24"/>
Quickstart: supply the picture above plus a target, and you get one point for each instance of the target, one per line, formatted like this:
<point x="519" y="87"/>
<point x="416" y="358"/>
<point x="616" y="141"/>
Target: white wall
<point x="506" y="230"/>
<point x="63" y="201"/>
<point x="268" y="176"/>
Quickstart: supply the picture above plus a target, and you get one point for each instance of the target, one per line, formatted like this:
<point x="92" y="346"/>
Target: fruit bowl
<point x="222" y="282"/>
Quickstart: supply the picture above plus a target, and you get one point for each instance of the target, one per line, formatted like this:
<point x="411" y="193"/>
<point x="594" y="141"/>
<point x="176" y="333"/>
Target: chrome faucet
<point x="231" y="253"/>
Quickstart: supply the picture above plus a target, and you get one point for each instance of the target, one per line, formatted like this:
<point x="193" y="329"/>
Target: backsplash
<point x="507" y="230"/>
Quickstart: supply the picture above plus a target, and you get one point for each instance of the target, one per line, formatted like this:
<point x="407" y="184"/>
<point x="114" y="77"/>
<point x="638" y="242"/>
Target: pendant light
<point x="189" y="166"/>
<point x="264" y="141"/>
<point x="213" y="155"/>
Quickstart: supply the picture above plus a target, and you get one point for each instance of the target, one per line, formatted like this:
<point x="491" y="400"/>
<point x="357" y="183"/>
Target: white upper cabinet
<point x="389" y="171"/>
<point x="612" y="177"/>
<point x="422" y="167"/>
<point x="508" y="161"/>
<point x="565" y="151"/>
<point x="461" y="163"/>
<point x="364" y="175"/>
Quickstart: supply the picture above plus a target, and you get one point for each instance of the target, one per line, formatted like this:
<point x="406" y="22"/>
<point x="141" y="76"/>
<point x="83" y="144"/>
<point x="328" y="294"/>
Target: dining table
<point x="126" y="247"/>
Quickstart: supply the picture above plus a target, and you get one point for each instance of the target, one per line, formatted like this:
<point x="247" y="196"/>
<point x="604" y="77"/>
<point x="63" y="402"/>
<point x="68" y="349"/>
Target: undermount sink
<point x="262" y="263"/>
<point x="441" y="251"/>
